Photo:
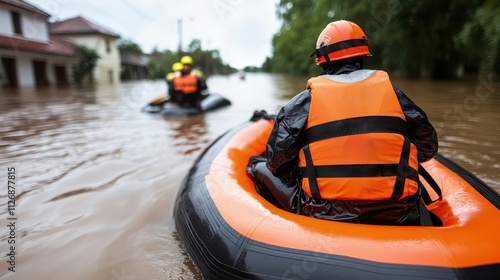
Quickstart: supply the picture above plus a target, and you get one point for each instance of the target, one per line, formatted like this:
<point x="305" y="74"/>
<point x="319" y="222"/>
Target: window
<point x="108" y="46"/>
<point x="16" y="23"/>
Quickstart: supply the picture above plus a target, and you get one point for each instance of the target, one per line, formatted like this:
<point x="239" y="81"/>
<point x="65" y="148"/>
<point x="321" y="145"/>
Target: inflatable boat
<point x="209" y="102"/>
<point x="231" y="232"/>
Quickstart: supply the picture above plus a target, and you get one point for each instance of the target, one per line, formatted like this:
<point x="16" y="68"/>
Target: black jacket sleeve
<point x="420" y="130"/>
<point x="202" y="85"/>
<point x="284" y="143"/>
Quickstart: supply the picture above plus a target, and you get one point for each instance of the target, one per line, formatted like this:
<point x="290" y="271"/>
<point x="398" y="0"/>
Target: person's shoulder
<point x="314" y="78"/>
<point x="301" y="98"/>
<point x="376" y="71"/>
<point x="379" y="73"/>
<point x="198" y="73"/>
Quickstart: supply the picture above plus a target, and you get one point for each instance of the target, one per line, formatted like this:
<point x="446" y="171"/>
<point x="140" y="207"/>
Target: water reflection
<point x="187" y="133"/>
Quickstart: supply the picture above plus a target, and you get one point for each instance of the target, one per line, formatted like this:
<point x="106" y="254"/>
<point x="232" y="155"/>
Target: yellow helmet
<point x="187" y="60"/>
<point x="170" y="77"/>
<point x="177" y="66"/>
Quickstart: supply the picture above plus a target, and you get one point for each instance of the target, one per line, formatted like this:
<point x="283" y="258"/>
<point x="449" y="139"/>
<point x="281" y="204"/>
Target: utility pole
<point x="179" y="30"/>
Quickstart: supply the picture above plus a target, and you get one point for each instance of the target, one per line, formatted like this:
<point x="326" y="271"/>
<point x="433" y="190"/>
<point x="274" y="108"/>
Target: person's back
<point x="351" y="140"/>
<point x="176" y="70"/>
<point x="356" y="148"/>
<point x="189" y="84"/>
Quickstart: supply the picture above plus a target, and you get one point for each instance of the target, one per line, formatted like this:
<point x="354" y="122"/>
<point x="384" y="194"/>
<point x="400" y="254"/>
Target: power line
<point x="139" y="12"/>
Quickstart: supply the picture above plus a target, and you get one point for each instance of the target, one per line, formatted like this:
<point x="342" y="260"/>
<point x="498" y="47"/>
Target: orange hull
<point x="261" y="241"/>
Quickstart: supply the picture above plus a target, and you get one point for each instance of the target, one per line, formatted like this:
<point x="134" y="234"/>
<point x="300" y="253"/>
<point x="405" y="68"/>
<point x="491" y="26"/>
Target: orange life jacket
<point x="356" y="145"/>
<point x="186" y="84"/>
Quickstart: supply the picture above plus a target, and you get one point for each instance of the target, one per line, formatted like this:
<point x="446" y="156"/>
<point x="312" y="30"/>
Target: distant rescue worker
<point x="176" y="71"/>
<point x="349" y="146"/>
<point x="189" y="84"/>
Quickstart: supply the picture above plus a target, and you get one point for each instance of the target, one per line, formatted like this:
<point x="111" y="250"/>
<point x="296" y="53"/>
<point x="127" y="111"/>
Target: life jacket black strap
<point x="359" y="170"/>
<point x="425" y="216"/>
<point x="311" y="174"/>
<point x="360" y="125"/>
<point x="425" y="198"/>
<point x="399" y="185"/>
<point x="432" y="183"/>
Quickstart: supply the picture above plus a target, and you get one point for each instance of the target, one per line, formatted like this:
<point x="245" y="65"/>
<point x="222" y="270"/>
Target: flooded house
<point x="37" y="52"/>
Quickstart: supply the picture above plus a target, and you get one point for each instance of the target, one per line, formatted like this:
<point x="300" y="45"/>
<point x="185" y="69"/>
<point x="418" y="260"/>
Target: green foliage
<point x="268" y="65"/>
<point x="86" y="64"/>
<point x="416" y="38"/>
<point x="209" y="61"/>
<point x="480" y="37"/>
<point x="250" y="69"/>
<point x="161" y="63"/>
<point x="296" y="39"/>
<point x="129" y="46"/>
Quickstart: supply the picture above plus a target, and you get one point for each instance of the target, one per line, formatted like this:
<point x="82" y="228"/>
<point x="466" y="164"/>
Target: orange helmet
<point x="339" y="40"/>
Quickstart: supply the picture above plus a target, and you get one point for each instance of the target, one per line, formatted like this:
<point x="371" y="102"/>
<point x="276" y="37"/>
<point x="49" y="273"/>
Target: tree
<point x="129" y="46"/>
<point x="194" y="46"/>
<point x="267" y="65"/>
<point x="209" y="61"/>
<point x="480" y="37"/>
<point x="87" y="62"/>
<point x="301" y="23"/>
<point x="416" y="38"/>
<point x="161" y="63"/>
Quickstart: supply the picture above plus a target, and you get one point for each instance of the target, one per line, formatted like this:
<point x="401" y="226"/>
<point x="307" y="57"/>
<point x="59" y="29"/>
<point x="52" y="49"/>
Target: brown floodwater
<point x="96" y="178"/>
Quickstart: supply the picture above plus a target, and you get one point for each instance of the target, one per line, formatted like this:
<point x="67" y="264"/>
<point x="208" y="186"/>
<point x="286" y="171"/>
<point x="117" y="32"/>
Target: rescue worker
<point x="348" y="147"/>
<point x="189" y="84"/>
<point x="176" y="70"/>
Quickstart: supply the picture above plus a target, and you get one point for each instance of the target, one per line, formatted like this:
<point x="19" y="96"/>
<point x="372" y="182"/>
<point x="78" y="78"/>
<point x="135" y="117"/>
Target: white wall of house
<point x="108" y="66"/>
<point x="25" y="74"/>
<point x="24" y="66"/>
<point x="34" y="26"/>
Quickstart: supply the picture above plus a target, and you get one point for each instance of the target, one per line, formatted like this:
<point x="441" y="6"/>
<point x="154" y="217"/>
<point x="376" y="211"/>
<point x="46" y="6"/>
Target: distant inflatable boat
<point x="209" y="102"/>
<point x="231" y="232"/>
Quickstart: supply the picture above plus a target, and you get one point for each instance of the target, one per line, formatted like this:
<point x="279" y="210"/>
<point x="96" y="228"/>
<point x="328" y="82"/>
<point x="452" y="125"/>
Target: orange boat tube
<point x="231" y="232"/>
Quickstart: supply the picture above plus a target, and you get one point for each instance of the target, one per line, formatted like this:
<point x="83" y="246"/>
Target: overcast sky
<point x="240" y="29"/>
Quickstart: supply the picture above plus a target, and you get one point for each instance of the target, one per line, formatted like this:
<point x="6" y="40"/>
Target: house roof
<point x="55" y="46"/>
<point x="25" y="6"/>
<point x="132" y="59"/>
<point x="78" y="25"/>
